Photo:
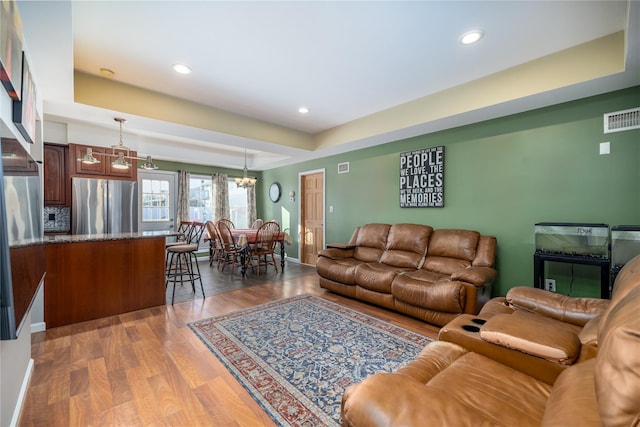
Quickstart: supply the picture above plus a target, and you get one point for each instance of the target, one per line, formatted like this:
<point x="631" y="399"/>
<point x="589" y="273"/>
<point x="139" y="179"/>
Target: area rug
<point x="296" y="356"/>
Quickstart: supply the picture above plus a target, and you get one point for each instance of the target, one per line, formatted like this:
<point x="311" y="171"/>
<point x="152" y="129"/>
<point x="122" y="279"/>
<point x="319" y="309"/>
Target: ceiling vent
<point x="343" y="167"/>
<point x="622" y="120"/>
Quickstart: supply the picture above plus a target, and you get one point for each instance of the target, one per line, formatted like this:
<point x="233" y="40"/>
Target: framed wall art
<point x="10" y="48"/>
<point x="24" y="110"/>
<point x="422" y="178"/>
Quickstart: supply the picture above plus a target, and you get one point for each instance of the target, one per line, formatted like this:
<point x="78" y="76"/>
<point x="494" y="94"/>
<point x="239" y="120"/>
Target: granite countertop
<point x="75" y="238"/>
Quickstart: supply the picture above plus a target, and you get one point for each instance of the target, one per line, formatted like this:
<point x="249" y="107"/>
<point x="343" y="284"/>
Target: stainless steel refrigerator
<point x="103" y="206"/>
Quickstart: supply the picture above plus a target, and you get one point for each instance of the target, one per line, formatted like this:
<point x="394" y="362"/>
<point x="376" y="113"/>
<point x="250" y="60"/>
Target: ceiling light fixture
<point x="120" y="151"/>
<point x="303" y="110"/>
<point x="245" y="181"/>
<point x="471" y="37"/>
<point x="88" y="158"/>
<point x="105" y="72"/>
<point x="120" y="162"/>
<point x="181" y="68"/>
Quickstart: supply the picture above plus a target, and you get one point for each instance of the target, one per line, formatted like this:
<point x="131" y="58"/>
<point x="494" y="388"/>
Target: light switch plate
<point x="605" y="148"/>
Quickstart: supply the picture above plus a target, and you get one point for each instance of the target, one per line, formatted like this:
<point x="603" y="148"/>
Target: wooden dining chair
<point x="265" y="246"/>
<point x="183" y="261"/>
<point x="231" y="252"/>
<point x="215" y="246"/>
<point x="227" y="221"/>
<point x="257" y="223"/>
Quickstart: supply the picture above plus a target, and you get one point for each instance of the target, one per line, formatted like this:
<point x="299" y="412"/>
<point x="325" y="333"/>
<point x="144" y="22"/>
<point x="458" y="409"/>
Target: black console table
<point x="539" y="259"/>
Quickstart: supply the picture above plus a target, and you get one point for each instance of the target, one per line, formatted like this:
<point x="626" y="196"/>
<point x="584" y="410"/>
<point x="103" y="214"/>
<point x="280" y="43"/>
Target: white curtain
<point x="220" y="185"/>
<point x="182" y="210"/>
<point x="251" y="205"/>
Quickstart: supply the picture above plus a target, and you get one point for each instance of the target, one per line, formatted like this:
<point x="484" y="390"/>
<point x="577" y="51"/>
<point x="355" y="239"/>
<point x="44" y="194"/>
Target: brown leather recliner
<point x="434" y="275"/>
<point x="448" y="384"/>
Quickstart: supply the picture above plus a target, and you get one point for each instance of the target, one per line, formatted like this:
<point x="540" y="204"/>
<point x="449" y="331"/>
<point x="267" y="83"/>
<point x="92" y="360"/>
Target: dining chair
<point x="215" y="247"/>
<point x="257" y="223"/>
<point x="184" y="229"/>
<point x="265" y="246"/>
<point x="183" y="262"/>
<point x="231" y="252"/>
<point x="228" y="222"/>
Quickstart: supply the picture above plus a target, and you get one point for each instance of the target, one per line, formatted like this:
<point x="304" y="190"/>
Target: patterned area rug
<point x="296" y="356"/>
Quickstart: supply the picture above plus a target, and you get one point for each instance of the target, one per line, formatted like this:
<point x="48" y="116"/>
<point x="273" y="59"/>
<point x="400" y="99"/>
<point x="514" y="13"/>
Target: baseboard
<point x="38" y="327"/>
<point x="23" y="393"/>
<point x="288" y="259"/>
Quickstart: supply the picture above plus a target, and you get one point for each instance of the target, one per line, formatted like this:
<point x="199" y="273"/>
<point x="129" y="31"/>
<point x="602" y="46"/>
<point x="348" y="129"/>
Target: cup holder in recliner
<point x="478" y="321"/>
<point x="470" y="328"/>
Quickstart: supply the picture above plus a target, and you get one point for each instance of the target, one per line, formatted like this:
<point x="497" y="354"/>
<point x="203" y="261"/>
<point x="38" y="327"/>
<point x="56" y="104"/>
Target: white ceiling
<point x="263" y="60"/>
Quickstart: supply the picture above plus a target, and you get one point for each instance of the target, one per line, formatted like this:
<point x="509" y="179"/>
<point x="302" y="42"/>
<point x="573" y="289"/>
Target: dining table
<point x="245" y="237"/>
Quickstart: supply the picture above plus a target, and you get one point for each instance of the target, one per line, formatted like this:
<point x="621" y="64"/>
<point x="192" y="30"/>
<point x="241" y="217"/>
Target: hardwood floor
<point x="147" y="368"/>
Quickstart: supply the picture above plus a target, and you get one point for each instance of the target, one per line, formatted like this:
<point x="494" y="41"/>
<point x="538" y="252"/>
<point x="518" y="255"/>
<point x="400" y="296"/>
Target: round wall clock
<point x="275" y="192"/>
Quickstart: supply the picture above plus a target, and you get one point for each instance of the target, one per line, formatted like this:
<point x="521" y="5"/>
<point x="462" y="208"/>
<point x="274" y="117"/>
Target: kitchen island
<point x="91" y="276"/>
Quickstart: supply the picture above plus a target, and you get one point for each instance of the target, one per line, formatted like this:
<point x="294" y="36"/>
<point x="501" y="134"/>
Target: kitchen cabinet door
<point x="56" y="176"/>
<point x="77" y="167"/>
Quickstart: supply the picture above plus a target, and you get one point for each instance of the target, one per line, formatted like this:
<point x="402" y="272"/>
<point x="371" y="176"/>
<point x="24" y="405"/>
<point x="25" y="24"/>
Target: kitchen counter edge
<point x="77" y="238"/>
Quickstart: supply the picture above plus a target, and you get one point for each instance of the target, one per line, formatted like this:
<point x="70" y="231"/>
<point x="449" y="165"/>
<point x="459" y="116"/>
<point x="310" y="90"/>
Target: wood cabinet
<point x="104" y="169"/>
<point x="95" y="279"/>
<point x="56" y="176"/>
<point x="15" y="158"/>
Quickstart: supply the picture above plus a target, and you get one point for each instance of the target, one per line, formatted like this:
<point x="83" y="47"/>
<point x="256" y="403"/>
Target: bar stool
<point x="183" y="262"/>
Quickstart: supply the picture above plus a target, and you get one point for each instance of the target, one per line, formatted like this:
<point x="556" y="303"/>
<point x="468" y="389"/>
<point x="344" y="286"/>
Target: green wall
<point x="501" y="177"/>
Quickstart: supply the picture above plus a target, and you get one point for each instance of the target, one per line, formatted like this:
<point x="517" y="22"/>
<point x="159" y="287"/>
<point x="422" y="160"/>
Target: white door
<point x="157" y="192"/>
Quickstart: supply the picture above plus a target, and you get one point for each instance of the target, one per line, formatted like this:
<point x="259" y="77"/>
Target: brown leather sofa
<point x="448" y="384"/>
<point x="434" y="275"/>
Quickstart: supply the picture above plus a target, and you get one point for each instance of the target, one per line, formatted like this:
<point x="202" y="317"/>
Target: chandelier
<point x="245" y="181"/>
<point x="120" y="151"/>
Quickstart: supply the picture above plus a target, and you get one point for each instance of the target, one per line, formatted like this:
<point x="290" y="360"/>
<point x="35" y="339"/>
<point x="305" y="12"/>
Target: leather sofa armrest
<point x="336" y="253"/>
<point x="529" y="336"/>
<point x="478" y="276"/>
<point x="574" y="310"/>
<point x="464" y="330"/>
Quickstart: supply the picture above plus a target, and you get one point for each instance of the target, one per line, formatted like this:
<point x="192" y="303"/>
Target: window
<point x="201" y="207"/>
<point x="155" y="200"/>
<point x="238" y="210"/>
<point x="202" y="201"/>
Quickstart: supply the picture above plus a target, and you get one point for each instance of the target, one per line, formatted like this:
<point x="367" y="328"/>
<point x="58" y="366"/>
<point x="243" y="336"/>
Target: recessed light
<point x="181" y="68"/>
<point x="303" y="110"/>
<point x="471" y="37"/>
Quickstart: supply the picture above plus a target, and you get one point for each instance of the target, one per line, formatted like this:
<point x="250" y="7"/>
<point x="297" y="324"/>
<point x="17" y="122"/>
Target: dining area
<point x="251" y="248"/>
<point x="250" y="251"/>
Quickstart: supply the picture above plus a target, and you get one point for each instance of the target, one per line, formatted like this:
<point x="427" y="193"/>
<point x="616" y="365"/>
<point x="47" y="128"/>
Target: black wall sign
<point x="422" y="178"/>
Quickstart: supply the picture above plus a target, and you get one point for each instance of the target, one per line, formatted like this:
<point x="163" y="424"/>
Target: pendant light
<point x="245" y="181"/>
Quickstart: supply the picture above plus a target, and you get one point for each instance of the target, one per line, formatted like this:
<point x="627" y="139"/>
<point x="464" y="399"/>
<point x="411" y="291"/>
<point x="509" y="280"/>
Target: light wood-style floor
<point x="147" y="368"/>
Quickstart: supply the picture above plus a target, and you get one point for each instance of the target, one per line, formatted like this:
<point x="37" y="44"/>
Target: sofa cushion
<point x="486" y="252"/>
<point x="406" y="245"/>
<point x="531" y="336"/>
<point x="617" y="373"/>
<point x="446" y="385"/>
<point x="377" y="276"/>
<point x="573" y="398"/>
<point x="459" y="244"/>
<point x="444" y="296"/>
<point x="444" y="265"/>
<point x="342" y="270"/>
<point x="371" y="242"/>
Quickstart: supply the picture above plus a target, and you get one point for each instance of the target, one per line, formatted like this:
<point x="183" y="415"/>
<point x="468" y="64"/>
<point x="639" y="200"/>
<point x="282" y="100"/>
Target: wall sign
<point x="422" y="178"/>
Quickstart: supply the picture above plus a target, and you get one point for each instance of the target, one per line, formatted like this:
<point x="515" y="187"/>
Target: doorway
<point x="157" y="200"/>
<point x="311" y="215"/>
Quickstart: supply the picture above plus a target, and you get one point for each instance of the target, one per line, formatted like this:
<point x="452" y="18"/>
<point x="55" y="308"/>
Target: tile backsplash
<point x="56" y="218"/>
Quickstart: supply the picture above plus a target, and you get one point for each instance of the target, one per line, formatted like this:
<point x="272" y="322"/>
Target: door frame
<point x="324" y="204"/>
<point x="148" y="174"/>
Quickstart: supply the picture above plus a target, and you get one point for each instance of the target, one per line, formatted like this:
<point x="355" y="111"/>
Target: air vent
<point x="622" y="120"/>
<point x="343" y="167"/>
